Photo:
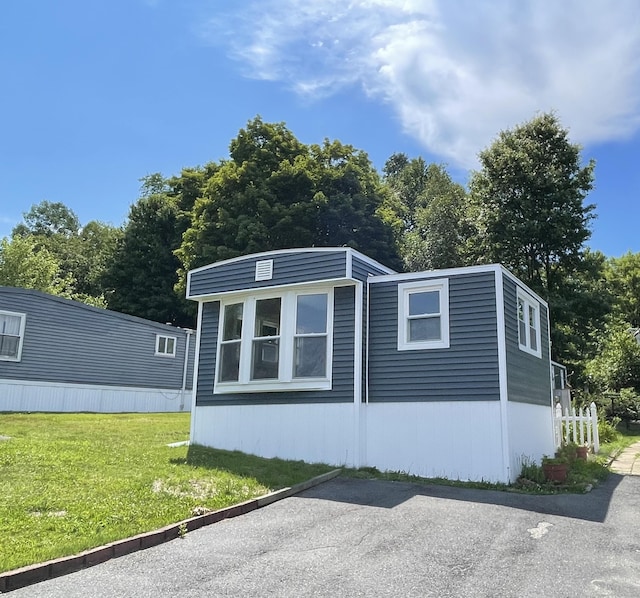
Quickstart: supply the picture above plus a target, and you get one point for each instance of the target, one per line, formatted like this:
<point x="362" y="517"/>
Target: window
<point x="275" y="343"/>
<point x="11" y="335"/>
<point x="528" y="324"/>
<point x="165" y="345"/>
<point x="423" y="315"/>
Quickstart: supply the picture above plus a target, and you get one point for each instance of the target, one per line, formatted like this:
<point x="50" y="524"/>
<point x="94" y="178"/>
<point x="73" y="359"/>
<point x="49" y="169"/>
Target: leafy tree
<point x="617" y="364"/>
<point x="529" y="205"/>
<point x="81" y="252"/>
<point x="47" y="219"/>
<point x="428" y="213"/>
<point x="275" y="192"/>
<point x="623" y="278"/>
<point x="24" y="264"/>
<point x="142" y="274"/>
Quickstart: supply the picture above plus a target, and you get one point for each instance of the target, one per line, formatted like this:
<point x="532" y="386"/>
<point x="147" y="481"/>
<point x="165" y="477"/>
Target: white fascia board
<point x="524" y="287"/>
<point x="427" y="274"/>
<point x="272" y="252"/>
<point x="323" y="283"/>
<point x="370" y="261"/>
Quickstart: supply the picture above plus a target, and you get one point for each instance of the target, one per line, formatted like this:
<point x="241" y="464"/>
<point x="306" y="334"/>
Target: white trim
<point x="357" y="374"/>
<point x="295" y="250"/>
<point x="441" y="285"/>
<point x="502" y="373"/>
<point x="166" y="338"/>
<point x="222" y="295"/>
<point x="522" y="285"/>
<point x="529" y="303"/>
<point x="370" y="261"/>
<point x="23" y="321"/>
<point x="286" y="336"/>
<point x="446" y="272"/>
<point x="196" y="364"/>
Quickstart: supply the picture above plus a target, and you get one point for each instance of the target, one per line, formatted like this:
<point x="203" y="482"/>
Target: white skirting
<point x="21" y="396"/>
<point x="458" y="440"/>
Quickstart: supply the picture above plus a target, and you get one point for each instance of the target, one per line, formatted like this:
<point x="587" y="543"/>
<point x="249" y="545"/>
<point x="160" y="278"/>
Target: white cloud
<point x="456" y="73"/>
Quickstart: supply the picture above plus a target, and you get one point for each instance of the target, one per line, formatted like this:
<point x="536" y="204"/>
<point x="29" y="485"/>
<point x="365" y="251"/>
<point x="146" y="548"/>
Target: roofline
<point x="247" y="256"/>
<point x="93" y="308"/>
<point x="320" y="283"/>
<point x="457" y="271"/>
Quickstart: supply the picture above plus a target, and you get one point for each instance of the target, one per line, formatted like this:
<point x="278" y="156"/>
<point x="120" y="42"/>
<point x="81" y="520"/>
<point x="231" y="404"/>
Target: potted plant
<point x="582" y="452"/>
<point x="555" y="469"/>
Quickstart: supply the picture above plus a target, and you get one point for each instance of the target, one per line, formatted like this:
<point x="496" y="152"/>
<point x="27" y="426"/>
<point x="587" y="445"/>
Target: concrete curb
<point x="18" y="578"/>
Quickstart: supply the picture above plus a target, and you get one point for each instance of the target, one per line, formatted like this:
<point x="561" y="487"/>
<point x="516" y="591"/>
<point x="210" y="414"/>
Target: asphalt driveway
<point x="373" y="538"/>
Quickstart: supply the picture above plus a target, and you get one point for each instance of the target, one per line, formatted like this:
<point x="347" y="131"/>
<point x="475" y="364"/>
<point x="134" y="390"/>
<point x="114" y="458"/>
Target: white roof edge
<point x="434" y="273"/>
<point x="268" y="253"/>
<point x="346" y="250"/>
<point x="526" y="287"/>
<point x="460" y="270"/>
<point x="335" y="282"/>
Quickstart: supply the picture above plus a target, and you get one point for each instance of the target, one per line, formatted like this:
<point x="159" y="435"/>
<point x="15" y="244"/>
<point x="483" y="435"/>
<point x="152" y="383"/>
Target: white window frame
<point x="285" y="380"/>
<point x="529" y="303"/>
<point x="166" y="337"/>
<point x="23" y="320"/>
<point x="423" y="286"/>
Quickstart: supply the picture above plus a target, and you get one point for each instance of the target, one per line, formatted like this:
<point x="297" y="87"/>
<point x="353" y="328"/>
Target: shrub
<point x="607" y="431"/>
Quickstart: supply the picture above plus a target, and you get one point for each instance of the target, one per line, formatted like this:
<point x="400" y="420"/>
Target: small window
<point x="423" y="315"/>
<point x="11" y="335"/>
<point x="166" y="345"/>
<point x="528" y="324"/>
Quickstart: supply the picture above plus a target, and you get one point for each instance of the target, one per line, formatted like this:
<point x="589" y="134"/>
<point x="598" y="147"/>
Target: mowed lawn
<point x="69" y="482"/>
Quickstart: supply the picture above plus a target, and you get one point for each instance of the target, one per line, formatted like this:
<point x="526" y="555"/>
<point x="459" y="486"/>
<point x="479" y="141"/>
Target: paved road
<point x="374" y="538"/>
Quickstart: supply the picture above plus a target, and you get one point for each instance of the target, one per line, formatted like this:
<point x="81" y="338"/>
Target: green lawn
<point x="69" y="482"/>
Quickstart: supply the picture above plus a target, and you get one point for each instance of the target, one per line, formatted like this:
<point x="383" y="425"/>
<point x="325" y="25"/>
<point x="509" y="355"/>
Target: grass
<point x="70" y="482"/>
<point x="624" y="439"/>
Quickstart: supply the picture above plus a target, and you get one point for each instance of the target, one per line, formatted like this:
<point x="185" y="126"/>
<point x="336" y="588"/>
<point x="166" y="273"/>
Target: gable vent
<point x="264" y="270"/>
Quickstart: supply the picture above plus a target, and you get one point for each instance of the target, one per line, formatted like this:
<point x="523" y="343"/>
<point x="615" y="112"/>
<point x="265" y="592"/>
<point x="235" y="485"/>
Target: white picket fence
<point x="579" y="427"/>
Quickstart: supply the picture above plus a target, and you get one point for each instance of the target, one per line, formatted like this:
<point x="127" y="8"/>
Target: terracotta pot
<point x="555" y="472"/>
<point x="582" y="452"/>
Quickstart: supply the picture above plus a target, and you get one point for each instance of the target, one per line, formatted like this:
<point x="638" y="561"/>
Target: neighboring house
<point x="63" y="355"/>
<point x="326" y="355"/>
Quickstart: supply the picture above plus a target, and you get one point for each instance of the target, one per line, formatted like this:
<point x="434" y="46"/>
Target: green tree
<point x="617" y="364"/>
<point x="528" y="201"/>
<point x="623" y="278"/>
<point x="427" y="211"/>
<point x="26" y="265"/>
<point x="143" y="271"/>
<point x="275" y="192"/>
<point x="82" y="252"/>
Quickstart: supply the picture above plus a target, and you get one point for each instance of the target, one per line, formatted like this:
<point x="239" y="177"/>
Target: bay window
<point x="271" y="343"/>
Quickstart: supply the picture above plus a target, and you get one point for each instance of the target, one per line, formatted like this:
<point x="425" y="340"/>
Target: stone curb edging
<point x="18" y="578"/>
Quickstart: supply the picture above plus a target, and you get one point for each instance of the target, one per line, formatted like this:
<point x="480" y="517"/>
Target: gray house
<point x="63" y="355"/>
<point x="326" y="355"/>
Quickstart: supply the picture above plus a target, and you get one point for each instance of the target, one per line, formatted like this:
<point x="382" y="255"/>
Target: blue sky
<point x="95" y="95"/>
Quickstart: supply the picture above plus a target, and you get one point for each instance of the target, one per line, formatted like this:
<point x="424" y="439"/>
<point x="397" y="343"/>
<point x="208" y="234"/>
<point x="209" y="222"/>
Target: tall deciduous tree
<point x="623" y="278"/>
<point x="26" y="265"/>
<point x="275" y="192"/>
<point x="428" y="213"/>
<point x="143" y="272"/>
<point x="529" y="199"/>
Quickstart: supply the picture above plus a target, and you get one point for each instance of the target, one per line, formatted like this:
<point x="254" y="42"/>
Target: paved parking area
<point x="374" y="538"/>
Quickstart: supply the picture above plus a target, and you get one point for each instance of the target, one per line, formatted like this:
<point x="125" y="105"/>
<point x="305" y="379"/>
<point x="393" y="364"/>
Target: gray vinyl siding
<point x="70" y="342"/>
<point x="288" y="268"/>
<point x="528" y="376"/>
<point x="342" y="365"/>
<point x="361" y="270"/>
<point x="466" y="371"/>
